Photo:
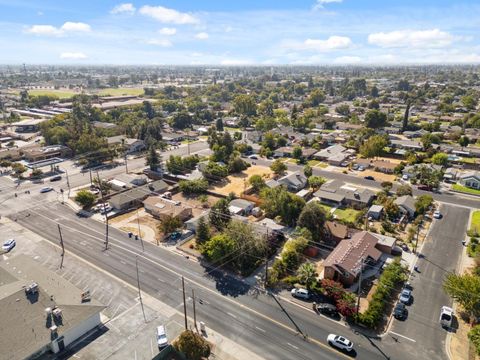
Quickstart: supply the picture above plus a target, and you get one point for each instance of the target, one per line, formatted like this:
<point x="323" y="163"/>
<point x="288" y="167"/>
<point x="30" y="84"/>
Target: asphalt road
<point x="230" y="307"/>
<point x="440" y="255"/>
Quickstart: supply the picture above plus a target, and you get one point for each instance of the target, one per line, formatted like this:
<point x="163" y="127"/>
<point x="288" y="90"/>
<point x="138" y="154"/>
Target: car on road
<point x="327" y="309"/>
<point x="424" y="188"/>
<point x="446" y="317"/>
<point x="56" y="178"/>
<point x="405" y="296"/>
<point x="300" y="293"/>
<point x="46" y="189"/>
<point x="340" y="342"/>
<point x="162" y="340"/>
<point x="400" y="312"/>
<point x="437" y="214"/>
<point x="253" y="157"/>
<point x="369" y="177"/>
<point x="8" y="245"/>
<point x="405" y="177"/>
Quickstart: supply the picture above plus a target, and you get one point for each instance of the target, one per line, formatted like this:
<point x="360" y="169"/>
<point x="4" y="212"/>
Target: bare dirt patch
<point x="238" y="183"/>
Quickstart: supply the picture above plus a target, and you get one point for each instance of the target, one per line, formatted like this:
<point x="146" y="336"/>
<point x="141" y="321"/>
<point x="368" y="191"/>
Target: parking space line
<point x="402" y="336"/>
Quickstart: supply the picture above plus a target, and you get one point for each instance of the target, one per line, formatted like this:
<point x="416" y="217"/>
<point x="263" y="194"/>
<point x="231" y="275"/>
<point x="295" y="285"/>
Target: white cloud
<point x="167" y="31"/>
<point x="49" y="30"/>
<point x="320" y="4"/>
<point x="348" y="60"/>
<point x="433" y="38"/>
<point x="73" y="56"/>
<point x="159" y="42"/>
<point x="201" y="36"/>
<point x="166" y="15"/>
<point x="331" y="44"/>
<point x="75" y="27"/>
<point x="125" y="8"/>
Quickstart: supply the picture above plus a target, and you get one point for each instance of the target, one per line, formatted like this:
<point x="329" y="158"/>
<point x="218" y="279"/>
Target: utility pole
<point x="416" y="239"/>
<point x="61" y="244"/>
<point x="126" y="164"/>
<point x="91" y="180"/>
<point x="194" y="312"/>
<point x="265" y="283"/>
<point x="139" y="291"/>
<point x="184" y="304"/>
<point x="139" y="233"/>
<point x="359" y="286"/>
<point x="104" y="210"/>
<point x="68" y="184"/>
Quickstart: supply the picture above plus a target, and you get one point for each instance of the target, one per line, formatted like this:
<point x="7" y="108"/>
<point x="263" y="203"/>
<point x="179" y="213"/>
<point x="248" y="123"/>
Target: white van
<point x="162" y="340"/>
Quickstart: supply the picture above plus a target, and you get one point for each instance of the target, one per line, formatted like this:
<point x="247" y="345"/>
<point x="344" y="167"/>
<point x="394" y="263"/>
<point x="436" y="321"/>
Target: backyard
<point x="346" y="214"/>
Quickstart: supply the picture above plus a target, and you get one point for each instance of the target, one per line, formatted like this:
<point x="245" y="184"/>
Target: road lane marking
<point x="256" y="327"/>
<point x="232" y="315"/>
<point x="402" y="336"/>
<point x="293" y="346"/>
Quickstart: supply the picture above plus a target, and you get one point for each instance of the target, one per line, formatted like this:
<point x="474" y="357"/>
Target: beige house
<point x="161" y="208"/>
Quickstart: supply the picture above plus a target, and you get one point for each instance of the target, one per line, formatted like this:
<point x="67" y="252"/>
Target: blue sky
<point x="240" y="32"/>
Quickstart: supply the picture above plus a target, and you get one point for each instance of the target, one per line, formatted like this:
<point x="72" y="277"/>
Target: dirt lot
<point x="238" y="183"/>
<point x="197" y="207"/>
<point x="377" y="175"/>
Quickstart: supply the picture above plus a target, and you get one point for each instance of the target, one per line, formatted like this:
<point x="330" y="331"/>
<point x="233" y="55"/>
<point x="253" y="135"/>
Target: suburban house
<point x="294" y="182"/>
<point x="352" y="256"/>
<point x="127" y="181"/>
<point x="42" y="312"/>
<point x="287" y="151"/>
<point x="406" y="205"/>
<point x="470" y="179"/>
<point x="241" y="207"/>
<point x="134" y="197"/>
<point x="451" y="174"/>
<point x="337" y="193"/>
<point x="130" y="145"/>
<point x="412" y="169"/>
<point x="172" y="138"/>
<point x="336" y="231"/>
<point x="161" y="208"/>
<point x="406" y="144"/>
<point x="375" y="212"/>
<point x="334" y="155"/>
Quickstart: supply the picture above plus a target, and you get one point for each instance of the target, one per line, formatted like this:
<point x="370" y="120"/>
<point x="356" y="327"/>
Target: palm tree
<point x="307" y="274"/>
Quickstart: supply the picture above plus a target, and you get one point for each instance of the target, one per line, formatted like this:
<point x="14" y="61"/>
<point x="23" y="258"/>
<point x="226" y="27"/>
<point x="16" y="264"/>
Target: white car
<point x="405" y="177"/>
<point x="162" y="340"/>
<point x="46" y="189"/>
<point x="8" y="245"/>
<point x="437" y="214"/>
<point x="446" y="317"/>
<point x="300" y="293"/>
<point x="340" y="342"/>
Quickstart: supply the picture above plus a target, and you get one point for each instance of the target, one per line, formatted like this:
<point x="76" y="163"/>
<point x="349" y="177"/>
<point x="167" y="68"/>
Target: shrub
<point x="193" y="187"/>
<point x="474" y="336"/>
<point x="192" y="345"/>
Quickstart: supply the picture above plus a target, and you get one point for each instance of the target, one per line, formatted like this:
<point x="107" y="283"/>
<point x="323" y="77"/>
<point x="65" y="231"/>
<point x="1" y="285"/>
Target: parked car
<point x="8" y="245"/>
<point x="361" y="168"/>
<point x="405" y="177"/>
<point x="300" y="293"/>
<point x="400" y="312"/>
<point x="162" y="340"/>
<point x="46" y="189"/>
<point x="253" y="157"/>
<point x="355" y="167"/>
<point x="424" y="188"/>
<point x="175" y="235"/>
<point x="369" y="177"/>
<point x="437" y="214"/>
<point x="340" y="342"/>
<point x="446" y="317"/>
<point x="405" y="296"/>
<point x="327" y="309"/>
<point x="56" y="178"/>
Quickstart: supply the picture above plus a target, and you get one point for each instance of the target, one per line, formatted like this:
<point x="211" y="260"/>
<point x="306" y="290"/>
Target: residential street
<point x="440" y="255"/>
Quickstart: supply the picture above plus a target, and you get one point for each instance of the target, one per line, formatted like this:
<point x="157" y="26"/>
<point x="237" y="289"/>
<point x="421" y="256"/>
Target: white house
<point x="470" y="180"/>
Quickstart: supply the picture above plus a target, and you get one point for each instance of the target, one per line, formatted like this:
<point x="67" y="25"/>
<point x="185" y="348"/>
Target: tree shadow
<point x="226" y="283"/>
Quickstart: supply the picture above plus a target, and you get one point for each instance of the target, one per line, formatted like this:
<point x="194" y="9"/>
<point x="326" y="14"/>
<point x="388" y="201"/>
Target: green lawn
<point x="468" y="160"/>
<point x="120" y="91"/>
<point x="464" y="189"/>
<point x="347" y="214"/>
<point x="475" y="225"/>
<point x="61" y="94"/>
<point x="313" y="162"/>
<point x="291" y="161"/>
<point x="326" y="208"/>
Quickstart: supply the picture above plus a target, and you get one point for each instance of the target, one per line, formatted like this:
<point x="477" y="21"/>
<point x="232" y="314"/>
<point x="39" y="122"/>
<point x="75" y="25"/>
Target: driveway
<point x="421" y="334"/>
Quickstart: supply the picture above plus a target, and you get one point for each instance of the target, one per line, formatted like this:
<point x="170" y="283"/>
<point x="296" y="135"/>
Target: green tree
<point x="373" y="146"/>
<point x="375" y="119"/>
<point x="192" y="345"/>
<point x="307" y="170"/>
<point x="169" y="224"/>
<point x="423" y="203"/>
<point x="316" y="182"/>
<point x="465" y="289"/>
<point x="440" y="159"/>
<point x="307" y="274"/>
<point x="404" y="190"/>
<point x="316" y="97"/>
<point x="219" y="124"/>
<point x="219" y="249"/>
<point x="220" y="214"/>
<point x="278" y="167"/>
<point x="181" y="120"/>
<point x="464" y="141"/>
<point x="85" y="198"/>
<point x="203" y="231"/>
<point x="245" y="105"/>
<point x="18" y="169"/>
<point x="279" y="202"/>
<point x="256" y="182"/>
<point x="153" y="159"/>
<point x="313" y="218"/>
<point x="297" y="152"/>
<point x="474" y="337"/>
<point x="193" y="187"/>
<point x="469" y="102"/>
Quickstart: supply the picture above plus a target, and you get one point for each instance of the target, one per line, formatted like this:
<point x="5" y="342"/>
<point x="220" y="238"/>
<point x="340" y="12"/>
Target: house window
<point x="474" y="184"/>
<point x="468" y="183"/>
